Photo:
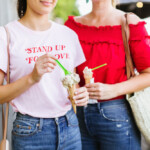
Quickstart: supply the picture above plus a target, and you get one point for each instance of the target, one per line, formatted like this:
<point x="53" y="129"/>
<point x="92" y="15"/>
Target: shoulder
<point x="133" y="19"/>
<point x="64" y="30"/>
<point x="9" y="26"/>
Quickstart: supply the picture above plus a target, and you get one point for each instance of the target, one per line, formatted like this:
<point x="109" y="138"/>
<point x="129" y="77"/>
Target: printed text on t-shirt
<point x="59" y="52"/>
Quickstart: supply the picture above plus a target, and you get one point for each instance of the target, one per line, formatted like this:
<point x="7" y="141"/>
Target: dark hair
<point x="21" y="7"/>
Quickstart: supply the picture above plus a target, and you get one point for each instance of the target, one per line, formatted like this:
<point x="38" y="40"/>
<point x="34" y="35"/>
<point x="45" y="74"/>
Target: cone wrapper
<point x="71" y="91"/>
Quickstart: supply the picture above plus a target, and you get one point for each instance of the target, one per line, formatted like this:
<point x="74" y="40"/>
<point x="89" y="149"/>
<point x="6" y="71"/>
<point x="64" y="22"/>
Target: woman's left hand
<point x="100" y="91"/>
<point x="81" y="96"/>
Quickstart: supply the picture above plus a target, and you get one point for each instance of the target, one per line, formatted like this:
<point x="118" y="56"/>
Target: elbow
<point x="4" y="100"/>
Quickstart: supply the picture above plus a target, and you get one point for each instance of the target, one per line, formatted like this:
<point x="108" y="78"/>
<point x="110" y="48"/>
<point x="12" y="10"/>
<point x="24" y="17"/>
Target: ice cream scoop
<point x="88" y="74"/>
<point x="70" y="79"/>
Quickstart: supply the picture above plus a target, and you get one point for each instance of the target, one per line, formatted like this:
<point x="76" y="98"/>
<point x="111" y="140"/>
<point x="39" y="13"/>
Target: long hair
<point x="21" y="7"/>
<point x="114" y="2"/>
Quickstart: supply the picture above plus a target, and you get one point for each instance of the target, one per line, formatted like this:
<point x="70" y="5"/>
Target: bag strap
<point x="5" y="121"/>
<point x="126" y="36"/>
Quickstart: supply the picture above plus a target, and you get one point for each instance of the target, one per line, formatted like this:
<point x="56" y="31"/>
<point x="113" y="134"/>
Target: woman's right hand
<point x="44" y="64"/>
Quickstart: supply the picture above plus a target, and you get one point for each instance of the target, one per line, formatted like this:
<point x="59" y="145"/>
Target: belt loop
<point x="67" y="119"/>
<point x="99" y="107"/>
<point x="57" y="120"/>
<point x="41" y="124"/>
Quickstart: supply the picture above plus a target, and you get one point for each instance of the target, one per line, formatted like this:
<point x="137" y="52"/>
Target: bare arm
<point x="44" y="64"/>
<point x="10" y="91"/>
<point x="135" y="84"/>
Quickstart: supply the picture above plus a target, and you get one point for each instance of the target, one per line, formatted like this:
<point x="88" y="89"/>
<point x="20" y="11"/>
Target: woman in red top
<point x="108" y="124"/>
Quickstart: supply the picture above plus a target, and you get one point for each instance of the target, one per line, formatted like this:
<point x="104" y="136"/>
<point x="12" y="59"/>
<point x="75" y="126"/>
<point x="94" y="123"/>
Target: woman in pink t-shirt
<point x="107" y="123"/>
<point x="45" y="118"/>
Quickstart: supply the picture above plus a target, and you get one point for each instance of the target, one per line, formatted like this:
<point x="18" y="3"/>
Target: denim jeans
<point x="61" y="133"/>
<point x="108" y="126"/>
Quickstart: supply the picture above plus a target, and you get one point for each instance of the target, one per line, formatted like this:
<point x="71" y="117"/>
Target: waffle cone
<point x="71" y="91"/>
<point x="88" y="79"/>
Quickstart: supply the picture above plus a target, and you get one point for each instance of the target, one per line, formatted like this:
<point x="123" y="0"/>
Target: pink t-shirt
<point x="47" y="98"/>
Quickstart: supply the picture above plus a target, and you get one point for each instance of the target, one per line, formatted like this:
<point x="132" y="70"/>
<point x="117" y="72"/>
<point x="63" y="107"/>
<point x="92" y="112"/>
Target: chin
<point x="41" y="7"/>
<point x="44" y="12"/>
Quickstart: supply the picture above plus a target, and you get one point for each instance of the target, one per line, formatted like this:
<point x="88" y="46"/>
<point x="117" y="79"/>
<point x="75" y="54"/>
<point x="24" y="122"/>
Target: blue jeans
<point x="108" y="126"/>
<point x="61" y="133"/>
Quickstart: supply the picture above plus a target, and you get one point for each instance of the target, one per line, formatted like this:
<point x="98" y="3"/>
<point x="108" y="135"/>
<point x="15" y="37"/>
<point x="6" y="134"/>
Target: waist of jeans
<point x="109" y="103"/>
<point x="22" y="116"/>
<point x="91" y="101"/>
<point x="119" y="97"/>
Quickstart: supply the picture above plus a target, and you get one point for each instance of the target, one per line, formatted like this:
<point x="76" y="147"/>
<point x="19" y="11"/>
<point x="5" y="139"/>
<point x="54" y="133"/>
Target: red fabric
<point x="104" y="44"/>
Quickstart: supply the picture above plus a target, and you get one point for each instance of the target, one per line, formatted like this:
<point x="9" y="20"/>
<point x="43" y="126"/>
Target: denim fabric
<point x="61" y="133"/>
<point x="108" y="126"/>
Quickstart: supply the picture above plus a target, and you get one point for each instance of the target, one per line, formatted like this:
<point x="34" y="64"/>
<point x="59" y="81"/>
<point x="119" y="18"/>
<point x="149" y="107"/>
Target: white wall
<point x="7" y="11"/>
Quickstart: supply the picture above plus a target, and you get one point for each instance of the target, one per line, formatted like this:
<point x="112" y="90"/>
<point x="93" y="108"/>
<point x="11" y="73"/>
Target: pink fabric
<point x="48" y="98"/>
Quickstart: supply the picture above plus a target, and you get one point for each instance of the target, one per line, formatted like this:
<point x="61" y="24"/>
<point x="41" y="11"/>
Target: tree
<point x="64" y="9"/>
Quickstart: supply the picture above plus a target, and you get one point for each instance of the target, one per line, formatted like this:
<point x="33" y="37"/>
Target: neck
<point x="35" y="21"/>
<point x="101" y="8"/>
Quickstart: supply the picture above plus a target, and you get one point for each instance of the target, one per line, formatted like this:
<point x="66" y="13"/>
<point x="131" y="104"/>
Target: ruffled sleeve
<point x="3" y="50"/>
<point x="94" y="35"/>
<point x="140" y="46"/>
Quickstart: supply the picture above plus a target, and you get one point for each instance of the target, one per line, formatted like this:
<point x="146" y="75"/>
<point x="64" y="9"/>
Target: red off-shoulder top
<point x="104" y="44"/>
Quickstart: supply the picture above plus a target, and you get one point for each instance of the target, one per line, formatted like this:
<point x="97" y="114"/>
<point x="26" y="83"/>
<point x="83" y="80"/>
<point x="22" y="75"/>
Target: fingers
<point x="48" y="65"/>
<point x="82" y="102"/>
<point x="93" y="89"/>
<point x="94" y="94"/>
<point x="80" y="90"/>
<point x="81" y="96"/>
<point x="45" y="64"/>
<point x="80" y="93"/>
<point x="47" y="58"/>
<point x="95" y="97"/>
<point x="90" y="85"/>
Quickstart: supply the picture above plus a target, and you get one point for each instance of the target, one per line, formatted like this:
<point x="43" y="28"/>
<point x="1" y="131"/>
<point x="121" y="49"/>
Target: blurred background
<point x="60" y="14"/>
<point x="77" y="7"/>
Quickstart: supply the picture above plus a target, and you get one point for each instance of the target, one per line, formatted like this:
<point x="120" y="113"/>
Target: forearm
<point x="134" y="84"/>
<point x="11" y="91"/>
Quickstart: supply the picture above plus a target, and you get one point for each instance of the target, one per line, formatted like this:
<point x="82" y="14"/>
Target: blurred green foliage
<point x="65" y="8"/>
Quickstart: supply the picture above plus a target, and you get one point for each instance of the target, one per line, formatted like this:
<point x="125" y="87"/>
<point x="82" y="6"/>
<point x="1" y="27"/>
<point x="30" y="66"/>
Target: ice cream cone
<point x="88" y="78"/>
<point x="71" y="91"/>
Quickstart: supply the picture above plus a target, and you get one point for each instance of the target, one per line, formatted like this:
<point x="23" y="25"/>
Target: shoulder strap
<point x="126" y="35"/>
<point x="5" y="121"/>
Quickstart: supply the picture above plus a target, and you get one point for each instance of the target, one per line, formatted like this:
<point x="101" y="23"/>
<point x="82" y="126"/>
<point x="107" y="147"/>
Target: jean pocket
<point x="118" y="113"/>
<point x="73" y="121"/>
<point x="24" y="127"/>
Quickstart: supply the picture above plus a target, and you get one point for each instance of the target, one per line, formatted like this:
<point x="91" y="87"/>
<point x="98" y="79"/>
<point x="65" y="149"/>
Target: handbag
<point x="139" y="101"/>
<point x="4" y="145"/>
